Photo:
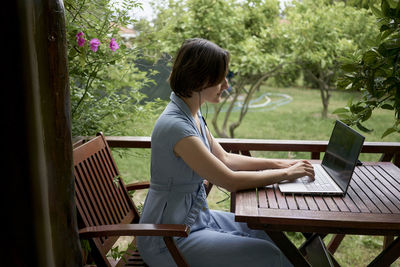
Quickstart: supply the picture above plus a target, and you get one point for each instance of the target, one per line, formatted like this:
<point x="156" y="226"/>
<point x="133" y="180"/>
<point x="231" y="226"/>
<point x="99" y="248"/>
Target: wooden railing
<point x="389" y="151"/>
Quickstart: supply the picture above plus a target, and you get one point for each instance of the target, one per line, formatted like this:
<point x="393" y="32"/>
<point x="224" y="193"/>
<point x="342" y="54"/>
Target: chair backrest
<point x="101" y="195"/>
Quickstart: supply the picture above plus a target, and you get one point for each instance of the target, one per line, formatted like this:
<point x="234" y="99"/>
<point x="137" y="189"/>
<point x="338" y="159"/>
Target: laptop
<point x="333" y="175"/>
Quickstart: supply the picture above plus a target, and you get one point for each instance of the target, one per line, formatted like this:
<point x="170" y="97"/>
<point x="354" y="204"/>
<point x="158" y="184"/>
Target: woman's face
<point x="213" y="94"/>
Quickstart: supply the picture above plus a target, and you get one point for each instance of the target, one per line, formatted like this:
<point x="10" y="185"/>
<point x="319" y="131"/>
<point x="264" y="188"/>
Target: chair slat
<point x="108" y="171"/>
<point x="120" y="188"/>
<point x="81" y="200"/>
<point x="89" y="200"/>
<point x="113" y="213"/>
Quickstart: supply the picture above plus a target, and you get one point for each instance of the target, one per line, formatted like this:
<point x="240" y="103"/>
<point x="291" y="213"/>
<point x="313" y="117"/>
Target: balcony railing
<point x="389" y="151"/>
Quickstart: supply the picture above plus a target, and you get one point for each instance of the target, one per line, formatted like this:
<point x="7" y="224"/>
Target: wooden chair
<point x="106" y="211"/>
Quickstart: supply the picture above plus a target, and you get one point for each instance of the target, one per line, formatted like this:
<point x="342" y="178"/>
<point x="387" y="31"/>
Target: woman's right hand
<point x="300" y="169"/>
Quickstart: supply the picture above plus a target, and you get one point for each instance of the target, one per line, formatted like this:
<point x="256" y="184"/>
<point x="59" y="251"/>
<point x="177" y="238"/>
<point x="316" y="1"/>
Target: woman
<point x="184" y="153"/>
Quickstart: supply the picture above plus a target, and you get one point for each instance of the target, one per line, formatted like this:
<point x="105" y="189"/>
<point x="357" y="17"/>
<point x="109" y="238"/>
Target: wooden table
<point x="370" y="207"/>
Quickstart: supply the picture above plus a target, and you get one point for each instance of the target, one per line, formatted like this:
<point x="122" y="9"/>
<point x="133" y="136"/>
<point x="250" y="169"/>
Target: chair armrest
<point x="135" y="230"/>
<point x="137" y="186"/>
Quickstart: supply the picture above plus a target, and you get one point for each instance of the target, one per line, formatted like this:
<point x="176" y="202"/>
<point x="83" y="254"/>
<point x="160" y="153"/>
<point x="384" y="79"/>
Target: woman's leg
<point x="226" y="221"/>
<point x="210" y="247"/>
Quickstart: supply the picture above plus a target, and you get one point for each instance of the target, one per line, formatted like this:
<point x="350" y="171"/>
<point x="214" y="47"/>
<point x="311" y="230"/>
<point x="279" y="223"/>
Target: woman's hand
<point x="285" y="163"/>
<point x="299" y="169"/>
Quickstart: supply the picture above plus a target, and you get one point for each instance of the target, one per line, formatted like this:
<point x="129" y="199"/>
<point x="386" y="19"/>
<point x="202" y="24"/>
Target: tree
<point x="359" y="3"/>
<point x="104" y="80"/>
<point x="247" y="29"/>
<point x="321" y="33"/>
<point x="375" y="72"/>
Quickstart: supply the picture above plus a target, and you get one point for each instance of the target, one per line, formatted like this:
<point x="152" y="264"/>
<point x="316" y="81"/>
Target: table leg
<point x="387" y="240"/>
<point x="388" y="255"/>
<point x="335" y="242"/>
<point x="287" y="247"/>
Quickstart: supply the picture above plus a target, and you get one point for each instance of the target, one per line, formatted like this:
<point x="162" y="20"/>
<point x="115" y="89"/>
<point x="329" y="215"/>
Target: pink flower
<point x="80" y="39"/>
<point x="113" y="45"/>
<point x="94" y="44"/>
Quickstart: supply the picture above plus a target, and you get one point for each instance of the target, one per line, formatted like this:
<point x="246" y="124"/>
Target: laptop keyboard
<point x="321" y="182"/>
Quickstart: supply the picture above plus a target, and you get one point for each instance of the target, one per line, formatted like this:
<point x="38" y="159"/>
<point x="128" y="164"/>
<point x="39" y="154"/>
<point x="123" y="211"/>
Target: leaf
<point x="350" y="101"/>
<point x="366" y="114"/>
<point x="362" y="128"/>
<point x="385" y="8"/>
<point x="356" y="109"/>
<point x="392" y="3"/>
<point x="376" y="12"/>
<point x="370" y="57"/>
<point x="387" y="106"/>
<point x="341" y="110"/>
<point x="387" y="33"/>
<point x="350" y="67"/>
<point x="388" y="131"/>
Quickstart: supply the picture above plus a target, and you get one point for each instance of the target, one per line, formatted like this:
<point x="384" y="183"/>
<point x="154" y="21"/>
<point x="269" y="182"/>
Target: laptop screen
<point x="342" y="153"/>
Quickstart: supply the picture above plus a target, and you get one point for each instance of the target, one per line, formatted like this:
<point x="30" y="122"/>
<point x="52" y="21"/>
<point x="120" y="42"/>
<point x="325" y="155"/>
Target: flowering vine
<point x="79" y="38"/>
<point x="95" y="43"/>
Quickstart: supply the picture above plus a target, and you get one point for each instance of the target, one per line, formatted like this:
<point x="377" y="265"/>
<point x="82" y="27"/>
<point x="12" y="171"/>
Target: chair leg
<point x="175" y="253"/>
<point x="335" y="242"/>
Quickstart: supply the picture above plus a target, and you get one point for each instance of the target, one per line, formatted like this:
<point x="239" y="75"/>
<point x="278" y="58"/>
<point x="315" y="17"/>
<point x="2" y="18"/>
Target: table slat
<point x="280" y="198"/>
<point x="340" y="203"/>
<point x="272" y="201"/>
<point x="331" y="204"/>
<point x="384" y="179"/>
<point x="247" y="203"/>
<point x="357" y="187"/>
<point x="351" y="204"/>
<point x="291" y="202"/>
<point x="321" y="203"/>
<point x="311" y="203"/>
<point x="351" y="194"/>
<point x="379" y="191"/>
<point x="301" y="203"/>
<point x="393" y="172"/>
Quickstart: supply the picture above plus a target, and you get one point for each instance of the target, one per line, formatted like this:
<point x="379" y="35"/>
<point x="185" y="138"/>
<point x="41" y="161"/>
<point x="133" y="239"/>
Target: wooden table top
<point x="371" y="206"/>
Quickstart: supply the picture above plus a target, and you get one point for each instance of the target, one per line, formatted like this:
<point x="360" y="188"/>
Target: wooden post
<point x="38" y="193"/>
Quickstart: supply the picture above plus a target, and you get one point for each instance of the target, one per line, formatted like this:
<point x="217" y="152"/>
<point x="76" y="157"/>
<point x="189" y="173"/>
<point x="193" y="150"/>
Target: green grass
<point x="298" y="120"/>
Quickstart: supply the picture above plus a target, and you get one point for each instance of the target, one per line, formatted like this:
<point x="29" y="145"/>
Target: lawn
<point x="297" y="119"/>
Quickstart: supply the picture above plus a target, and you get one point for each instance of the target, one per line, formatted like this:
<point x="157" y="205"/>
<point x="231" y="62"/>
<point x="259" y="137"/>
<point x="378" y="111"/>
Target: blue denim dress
<point x="177" y="196"/>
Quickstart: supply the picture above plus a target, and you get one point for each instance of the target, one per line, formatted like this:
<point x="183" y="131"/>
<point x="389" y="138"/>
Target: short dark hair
<point x="199" y="64"/>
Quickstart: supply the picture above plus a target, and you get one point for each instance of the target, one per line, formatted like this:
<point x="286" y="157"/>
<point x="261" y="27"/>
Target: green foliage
<point x="104" y="85"/>
<point x="360" y="3"/>
<point x="375" y="72"/>
<point x="85" y="245"/>
<point x="320" y="33"/>
<point x="249" y="30"/>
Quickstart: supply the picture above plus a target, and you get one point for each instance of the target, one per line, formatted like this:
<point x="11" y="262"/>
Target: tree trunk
<point x="325" y="96"/>
<point x="324" y="90"/>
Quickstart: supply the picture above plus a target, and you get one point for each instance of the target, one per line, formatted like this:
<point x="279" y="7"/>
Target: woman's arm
<point x="207" y="165"/>
<point x="244" y="163"/>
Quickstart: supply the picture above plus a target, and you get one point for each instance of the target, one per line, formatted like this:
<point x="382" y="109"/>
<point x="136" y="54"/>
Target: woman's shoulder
<point x="172" y="123"/>
<point x="170" y="128"/>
